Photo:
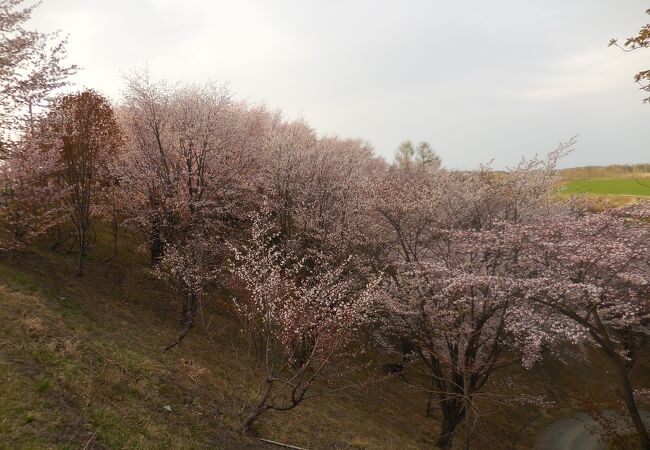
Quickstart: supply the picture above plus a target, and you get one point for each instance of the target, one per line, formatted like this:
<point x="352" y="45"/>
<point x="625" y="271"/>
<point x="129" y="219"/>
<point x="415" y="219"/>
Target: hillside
<point x="80" y="355"/>
<point x="81" y="367"/>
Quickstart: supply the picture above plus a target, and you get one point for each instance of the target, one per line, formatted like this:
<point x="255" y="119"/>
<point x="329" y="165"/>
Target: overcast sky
<point x="478" y="80"/>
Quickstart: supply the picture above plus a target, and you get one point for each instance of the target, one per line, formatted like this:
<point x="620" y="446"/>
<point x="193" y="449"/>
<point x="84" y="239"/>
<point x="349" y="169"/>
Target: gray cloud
<point x="479" y="80"/>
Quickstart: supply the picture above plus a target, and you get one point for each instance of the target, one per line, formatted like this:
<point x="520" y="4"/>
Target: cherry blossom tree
<point x="29" y="204"/>
<point x="303" y="317"/>
<point x="464" y="312"/>
<point x="457" y="288"/>
<point x="187" y="178"/>
<point x="316" y="195"/>
<point x="318" y="188"/>
<point x="31" y="67"/>
<point x="594" y="269"/>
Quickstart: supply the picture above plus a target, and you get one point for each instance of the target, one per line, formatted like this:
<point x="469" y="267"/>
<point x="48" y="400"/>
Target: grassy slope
<point x="79" y="355"/>
<point x="80" y="361"/>
<point x="74" y="363"/>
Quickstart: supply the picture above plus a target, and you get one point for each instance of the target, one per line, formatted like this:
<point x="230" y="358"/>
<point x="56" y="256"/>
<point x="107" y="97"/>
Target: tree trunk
<point x="116" y="228"/>
<point x="467" y="409"/>
<point x="630" y="403"/>
<point x="261" y="407"/>
<point x="82" y="251"/>
<point x="156" y="245"/>
<point x="446" y="435"/>
<point x="429" y="412"/>
<point x="188" y="315"/>
<point x="58" y="240"/>
<point x="186" y="329"/>
<point x="248" y="424"/>
<point x="628" y="391"/>
<point x="452" y="414"/>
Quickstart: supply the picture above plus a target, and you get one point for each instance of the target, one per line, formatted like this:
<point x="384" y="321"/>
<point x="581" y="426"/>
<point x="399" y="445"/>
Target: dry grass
<point x="80" y="358"/>
<point x="613" y="171"/>
<point x="93" y="345"/>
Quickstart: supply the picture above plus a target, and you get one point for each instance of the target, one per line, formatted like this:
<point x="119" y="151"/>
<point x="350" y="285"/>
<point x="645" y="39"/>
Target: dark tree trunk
<point x="156" y="244"/>
<point x="186" y="329"/>
<point x="188" y="315"/>
<point x="628" y="391"/>
<point x="630" y="403"/>
<point x="446" y="436"/>
<point x="59" y="239"/>
<point x="82" y="251"/>
<point x="248" y="424"/>
<point x="261" y="407"/>
<point x="429" y="411"/>
<point x="115" y="224"/>
<point x="452" y="415"/>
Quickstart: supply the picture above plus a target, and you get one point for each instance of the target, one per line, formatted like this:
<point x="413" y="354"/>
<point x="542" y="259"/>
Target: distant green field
<point x="611" y="186"/>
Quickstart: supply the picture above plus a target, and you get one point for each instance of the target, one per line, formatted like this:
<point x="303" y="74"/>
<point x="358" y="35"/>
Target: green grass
<point x="610" y="186"/>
